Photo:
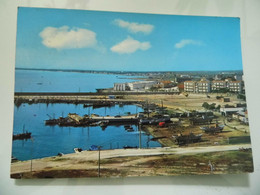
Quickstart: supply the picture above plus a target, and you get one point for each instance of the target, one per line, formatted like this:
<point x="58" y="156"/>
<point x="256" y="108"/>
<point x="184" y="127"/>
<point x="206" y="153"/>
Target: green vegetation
<point x="208" y="106"/>
<point x="241" y="97"/>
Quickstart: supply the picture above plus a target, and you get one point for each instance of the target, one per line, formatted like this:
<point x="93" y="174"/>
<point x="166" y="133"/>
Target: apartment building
<point x="189" y="86"/>
<point x="204" y="86"/>
<point x="235" y="86"/>
<point x="218" y="84"/>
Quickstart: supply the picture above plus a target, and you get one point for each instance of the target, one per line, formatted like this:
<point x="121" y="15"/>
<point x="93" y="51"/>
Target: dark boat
<point x="130" y="129"/>
<point x="129" y="147"/>
<point x="213" y="129"/>
<point x="87" y="105"/>
<point x="186" y="139"/>
<point x="104" y="123"/>
<point x="21" y="136"/>
<point x="102" y="104"/>
<point x="14" y="159"/>
<point x="25" y="135"/>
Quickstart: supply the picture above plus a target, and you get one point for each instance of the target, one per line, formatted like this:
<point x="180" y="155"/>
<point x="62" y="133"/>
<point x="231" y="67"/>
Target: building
<point x="189" y="86"/>
<point x="134" y="86"/>
<point x="241" y="116"/>
<point x="234" y="86"/>
<point x="120" y="86"/>
<point x="218" y="84"/>
<point x="230" y="111"/>
<point x="141" y="85"/>
<point x="202" y="86"/>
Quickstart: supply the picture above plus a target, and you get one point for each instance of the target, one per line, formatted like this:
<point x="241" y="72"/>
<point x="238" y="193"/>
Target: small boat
<point x="130" y="129"/>
<point x="186" y="139"/>
<point x="78" y="150"/>
<point x="104" y="123"/>
<point x="60" y="154"/>
<point x="93" y="148"/>
<point x="129" y="147"/>
<point x="213" y="129"/>
<point x="127" y="126"/>
<point x="14" y="159"/>
<point x="87" y="105"/>
<point x="21" y="136"/>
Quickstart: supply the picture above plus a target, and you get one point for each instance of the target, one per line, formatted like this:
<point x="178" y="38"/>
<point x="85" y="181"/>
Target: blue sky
<point x="93" y="40"/>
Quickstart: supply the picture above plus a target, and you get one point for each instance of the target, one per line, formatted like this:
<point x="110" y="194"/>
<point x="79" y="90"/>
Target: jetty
<point x="75" y="120"/>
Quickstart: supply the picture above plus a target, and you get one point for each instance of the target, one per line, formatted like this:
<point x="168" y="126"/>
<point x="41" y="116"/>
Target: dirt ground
<point x="181" y="102"/>
<point x="177" y="103"/>
<point x="159" y="162"/>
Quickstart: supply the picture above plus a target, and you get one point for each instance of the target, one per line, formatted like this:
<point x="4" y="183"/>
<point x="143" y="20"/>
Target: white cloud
<point x="65" y="38"/>
<point x="130" y="45"/>
<point x="185" y="42"/>
<point x="134" y="27"/>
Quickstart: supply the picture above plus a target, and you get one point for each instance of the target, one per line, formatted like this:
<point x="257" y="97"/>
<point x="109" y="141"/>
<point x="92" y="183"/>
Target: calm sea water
<point x="49" y="81"/>
<point x="50" y="140"/>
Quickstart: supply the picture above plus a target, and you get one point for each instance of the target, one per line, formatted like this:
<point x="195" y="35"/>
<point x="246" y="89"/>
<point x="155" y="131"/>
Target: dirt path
<point x="86" y="158"/>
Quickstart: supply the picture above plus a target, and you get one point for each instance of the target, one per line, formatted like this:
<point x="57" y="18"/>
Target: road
<point x="74" y="160"/>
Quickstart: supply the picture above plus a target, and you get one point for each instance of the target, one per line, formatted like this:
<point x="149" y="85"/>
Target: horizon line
<point x="122" y="71"/>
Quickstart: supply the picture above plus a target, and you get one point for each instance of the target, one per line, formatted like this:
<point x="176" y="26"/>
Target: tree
<point x="205" y="105"/>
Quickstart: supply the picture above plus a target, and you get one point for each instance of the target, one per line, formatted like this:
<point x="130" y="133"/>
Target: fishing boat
<point x="186" y="139"/>
<point x="213" y="129"/>
<point x="22" y="136"/>
<point x="129" y="147"/>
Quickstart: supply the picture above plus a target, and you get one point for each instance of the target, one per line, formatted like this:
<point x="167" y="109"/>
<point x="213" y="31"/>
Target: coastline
<point x="133" y="160"/>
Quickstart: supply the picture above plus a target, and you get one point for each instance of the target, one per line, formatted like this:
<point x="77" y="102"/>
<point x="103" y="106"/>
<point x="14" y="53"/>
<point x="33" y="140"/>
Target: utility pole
<point x="148" y="108"/>
<point x="162" y="107"/>
<point x="140" y="142"/>
<point x="31" y="153"/>
<point x="99" y="161"/>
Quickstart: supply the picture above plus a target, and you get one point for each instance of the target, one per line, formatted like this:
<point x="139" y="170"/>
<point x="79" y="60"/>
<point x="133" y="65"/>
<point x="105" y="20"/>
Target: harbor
<point x="139" y="122"/>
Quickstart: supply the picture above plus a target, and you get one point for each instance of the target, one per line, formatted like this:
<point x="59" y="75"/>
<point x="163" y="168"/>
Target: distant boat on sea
<point x="22" y="136"/>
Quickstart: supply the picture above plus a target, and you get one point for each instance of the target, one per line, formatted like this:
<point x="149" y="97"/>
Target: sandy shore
<point x="85" y="159"/>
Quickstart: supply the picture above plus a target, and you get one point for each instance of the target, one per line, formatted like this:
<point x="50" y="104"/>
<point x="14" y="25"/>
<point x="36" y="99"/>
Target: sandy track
<point x="77" y="160"/>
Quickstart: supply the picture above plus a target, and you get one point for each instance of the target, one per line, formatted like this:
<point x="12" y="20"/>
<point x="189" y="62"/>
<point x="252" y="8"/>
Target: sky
<point x="97" y="40"/>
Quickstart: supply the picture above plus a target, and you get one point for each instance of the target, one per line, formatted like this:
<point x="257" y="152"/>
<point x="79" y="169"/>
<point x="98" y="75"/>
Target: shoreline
<point x="89" y="159"/>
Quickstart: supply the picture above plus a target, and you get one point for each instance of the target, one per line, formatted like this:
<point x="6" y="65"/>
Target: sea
<point x="60" y="81"/>
<point x="50" y="140"/>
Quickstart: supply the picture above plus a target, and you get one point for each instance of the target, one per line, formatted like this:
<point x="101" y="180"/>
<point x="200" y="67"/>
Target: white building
<point x="189" y="86"/>
<point x="141" y="85"/>
<point x="202" y="86"/>
<point x="120" y="86"/>
<point x="218" y="84"/>
<point x="134" y="86"/>
<point x="227" y="111"/>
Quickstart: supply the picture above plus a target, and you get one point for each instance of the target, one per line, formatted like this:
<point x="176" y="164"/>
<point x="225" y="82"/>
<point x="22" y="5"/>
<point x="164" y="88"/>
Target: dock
<point x="103" y="121"/>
